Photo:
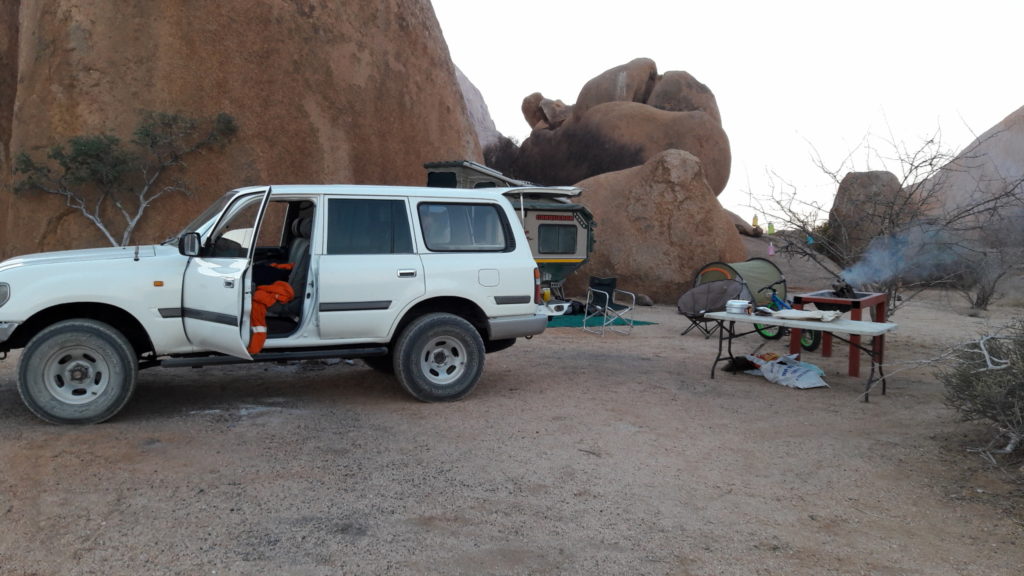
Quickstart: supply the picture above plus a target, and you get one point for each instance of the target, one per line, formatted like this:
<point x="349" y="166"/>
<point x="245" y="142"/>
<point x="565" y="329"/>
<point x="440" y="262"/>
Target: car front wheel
<point x="77" y="372"/>
<point x="439" y="358"/>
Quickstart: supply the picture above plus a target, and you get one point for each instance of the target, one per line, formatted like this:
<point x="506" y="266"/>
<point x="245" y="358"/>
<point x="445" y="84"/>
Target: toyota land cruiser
<point x="419" y="281"/>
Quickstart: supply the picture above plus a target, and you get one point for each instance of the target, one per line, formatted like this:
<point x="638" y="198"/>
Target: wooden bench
<point x="874" y="330"/>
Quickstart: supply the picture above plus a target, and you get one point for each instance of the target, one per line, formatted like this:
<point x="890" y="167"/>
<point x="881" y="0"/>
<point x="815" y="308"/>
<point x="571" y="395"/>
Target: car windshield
<point x="205" y="220"/>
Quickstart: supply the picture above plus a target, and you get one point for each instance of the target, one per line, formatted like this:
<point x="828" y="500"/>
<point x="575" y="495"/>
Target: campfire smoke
<point x="921" y="252"/>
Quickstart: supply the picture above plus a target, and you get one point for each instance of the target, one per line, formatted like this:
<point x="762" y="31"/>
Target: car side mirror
<point x="188" y="244"/>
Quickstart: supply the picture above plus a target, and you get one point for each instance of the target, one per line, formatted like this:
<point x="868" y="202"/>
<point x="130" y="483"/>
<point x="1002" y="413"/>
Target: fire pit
<point x="845" y="299"/>
<point x="830" y="300"/>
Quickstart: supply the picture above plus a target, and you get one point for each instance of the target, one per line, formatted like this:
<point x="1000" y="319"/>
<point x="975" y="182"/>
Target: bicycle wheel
<point x="810" y="340"/>
<point x="769" y="332"/>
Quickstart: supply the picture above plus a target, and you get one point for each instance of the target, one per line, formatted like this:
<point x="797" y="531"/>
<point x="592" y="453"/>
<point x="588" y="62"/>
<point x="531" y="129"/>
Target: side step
<point x="221" y="360"/>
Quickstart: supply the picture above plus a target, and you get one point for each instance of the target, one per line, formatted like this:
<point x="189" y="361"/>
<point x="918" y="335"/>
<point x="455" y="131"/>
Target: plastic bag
<point x="791" y="372"/>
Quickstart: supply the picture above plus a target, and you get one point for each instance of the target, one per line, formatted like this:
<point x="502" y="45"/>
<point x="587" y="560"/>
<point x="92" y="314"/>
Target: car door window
<point x="233" y="236"/>
<point x="366" y="226"/>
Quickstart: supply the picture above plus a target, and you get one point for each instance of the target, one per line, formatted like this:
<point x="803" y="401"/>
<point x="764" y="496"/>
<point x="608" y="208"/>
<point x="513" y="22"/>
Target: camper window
<point x="442" y="180"/>
<point x="556" y="239"/>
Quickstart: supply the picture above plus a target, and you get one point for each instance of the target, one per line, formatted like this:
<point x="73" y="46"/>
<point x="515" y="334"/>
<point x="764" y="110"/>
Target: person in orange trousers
<point x="265" y="297"/>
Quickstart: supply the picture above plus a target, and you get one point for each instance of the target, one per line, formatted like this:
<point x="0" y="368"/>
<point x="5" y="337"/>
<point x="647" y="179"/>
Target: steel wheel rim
<point x="443" y="360"/>
<point x="76" y="374"/>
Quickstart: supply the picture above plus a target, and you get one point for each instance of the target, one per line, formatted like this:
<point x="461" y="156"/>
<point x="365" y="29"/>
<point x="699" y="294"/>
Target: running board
<point x="220" y="360"/>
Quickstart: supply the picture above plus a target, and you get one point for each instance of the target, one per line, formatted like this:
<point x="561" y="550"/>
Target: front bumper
<point x="6" y="329"/>
<point x="517" y="326"/>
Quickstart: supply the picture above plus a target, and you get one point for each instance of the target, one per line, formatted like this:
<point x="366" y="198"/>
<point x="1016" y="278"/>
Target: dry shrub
<point x="985" y="383"/>
<point x="501" y="155"/>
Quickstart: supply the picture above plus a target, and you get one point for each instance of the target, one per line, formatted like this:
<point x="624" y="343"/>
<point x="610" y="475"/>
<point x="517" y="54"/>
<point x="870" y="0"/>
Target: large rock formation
<point x="864" y="205"/>
<point x="8" y="80"/>
<point x="630" y="82"/>
<point x="652" y="156"/>
<point x="544" y="113"/>
<point x="322" y="92"/>
<point x="479" y="116"/>
<point x="622" y="118"/>
<point x="623" y="134"/>
<point x="989" y="167"/>
<point x="679" y="91"/>
<point x="657" y="224"/>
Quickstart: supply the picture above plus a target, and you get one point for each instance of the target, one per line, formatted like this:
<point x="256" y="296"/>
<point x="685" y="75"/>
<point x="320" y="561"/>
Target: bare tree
<point x="925" y="233"/>
<point x="106" y="182"/>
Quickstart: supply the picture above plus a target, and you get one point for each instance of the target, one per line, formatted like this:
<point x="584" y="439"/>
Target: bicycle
<point x="809" y="339"/>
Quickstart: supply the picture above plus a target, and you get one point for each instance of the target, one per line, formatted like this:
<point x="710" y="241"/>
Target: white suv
<point x="418" y="281"/>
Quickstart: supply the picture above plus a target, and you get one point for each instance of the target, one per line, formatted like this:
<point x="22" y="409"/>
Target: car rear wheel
<point x="77" y="372"/>
<point x="439" y="358"/>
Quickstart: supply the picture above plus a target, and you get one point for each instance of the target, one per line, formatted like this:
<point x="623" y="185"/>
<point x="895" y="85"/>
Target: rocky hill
<point x="353" y="92"/>
<point x="990" y="166"/>
<point x="651" y="156"/>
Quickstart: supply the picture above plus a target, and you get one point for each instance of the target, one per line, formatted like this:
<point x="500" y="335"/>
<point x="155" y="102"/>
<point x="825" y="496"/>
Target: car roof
<point x="374" y="190"/>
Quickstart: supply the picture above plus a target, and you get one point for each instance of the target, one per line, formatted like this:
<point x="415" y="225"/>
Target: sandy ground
<point x="577" y="454"/>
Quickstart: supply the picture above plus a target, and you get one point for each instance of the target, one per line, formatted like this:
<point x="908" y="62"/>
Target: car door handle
<point x="406" y="273"/>
<point x="229" y="282"/>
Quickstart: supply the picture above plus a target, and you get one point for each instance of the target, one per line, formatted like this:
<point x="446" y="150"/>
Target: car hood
<point x="91" y="254"/>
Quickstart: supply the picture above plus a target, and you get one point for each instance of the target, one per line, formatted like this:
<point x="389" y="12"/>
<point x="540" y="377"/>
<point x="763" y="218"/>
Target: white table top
<point x="841" y="325"/>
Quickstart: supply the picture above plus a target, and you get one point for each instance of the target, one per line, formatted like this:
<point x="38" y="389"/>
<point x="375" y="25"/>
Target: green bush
<point x="985" y="382"/>
<point x="112" y="184"/>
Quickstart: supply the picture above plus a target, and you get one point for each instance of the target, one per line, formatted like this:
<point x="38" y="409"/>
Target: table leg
<point x="878" y="344"/>
<point x="854" y="365"/>
<point x="794" y="335"/>
<point x="826" y="344"/>
<point x="721" y="337"/>
<point x="794" y="341"/>
<point x="869" y="384"/>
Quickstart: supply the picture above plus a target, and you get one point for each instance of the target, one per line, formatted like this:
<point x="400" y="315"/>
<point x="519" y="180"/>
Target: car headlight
<point x="5" y="293"/>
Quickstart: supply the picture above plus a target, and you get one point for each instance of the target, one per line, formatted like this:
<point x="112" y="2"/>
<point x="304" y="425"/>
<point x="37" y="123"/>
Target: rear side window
<point x="556" y="239"/>
<point x="465" y="228"/>
<point x="367" y="226"/>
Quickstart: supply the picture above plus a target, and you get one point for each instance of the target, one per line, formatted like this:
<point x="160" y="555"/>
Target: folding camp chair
<point x="704" y="298"/>
<point x="603" y="308"/>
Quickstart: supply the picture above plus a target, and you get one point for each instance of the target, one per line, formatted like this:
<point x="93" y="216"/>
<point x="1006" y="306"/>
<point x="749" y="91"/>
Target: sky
<point x="795" y="81"/>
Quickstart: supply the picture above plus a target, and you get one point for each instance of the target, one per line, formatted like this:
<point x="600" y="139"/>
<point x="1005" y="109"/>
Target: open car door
<point x="216" y="291"/>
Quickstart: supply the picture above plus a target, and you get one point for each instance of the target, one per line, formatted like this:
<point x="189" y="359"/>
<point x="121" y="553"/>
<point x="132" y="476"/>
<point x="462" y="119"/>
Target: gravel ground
<point x="576" y="454"/>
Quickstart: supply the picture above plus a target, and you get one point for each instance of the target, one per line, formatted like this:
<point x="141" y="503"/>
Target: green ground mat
<point x="576" y="321"/>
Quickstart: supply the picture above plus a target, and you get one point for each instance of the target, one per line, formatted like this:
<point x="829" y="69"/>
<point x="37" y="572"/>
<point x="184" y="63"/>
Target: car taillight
<point x="536" y="287"/>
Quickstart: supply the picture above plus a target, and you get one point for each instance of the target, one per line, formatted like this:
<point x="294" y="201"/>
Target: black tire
<point x="77" y="372"/>
<point x="439" y="358"/>
<point x="810" y="340"/>
<point x="769" y="332"/>
<point x="383" y="364"/>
